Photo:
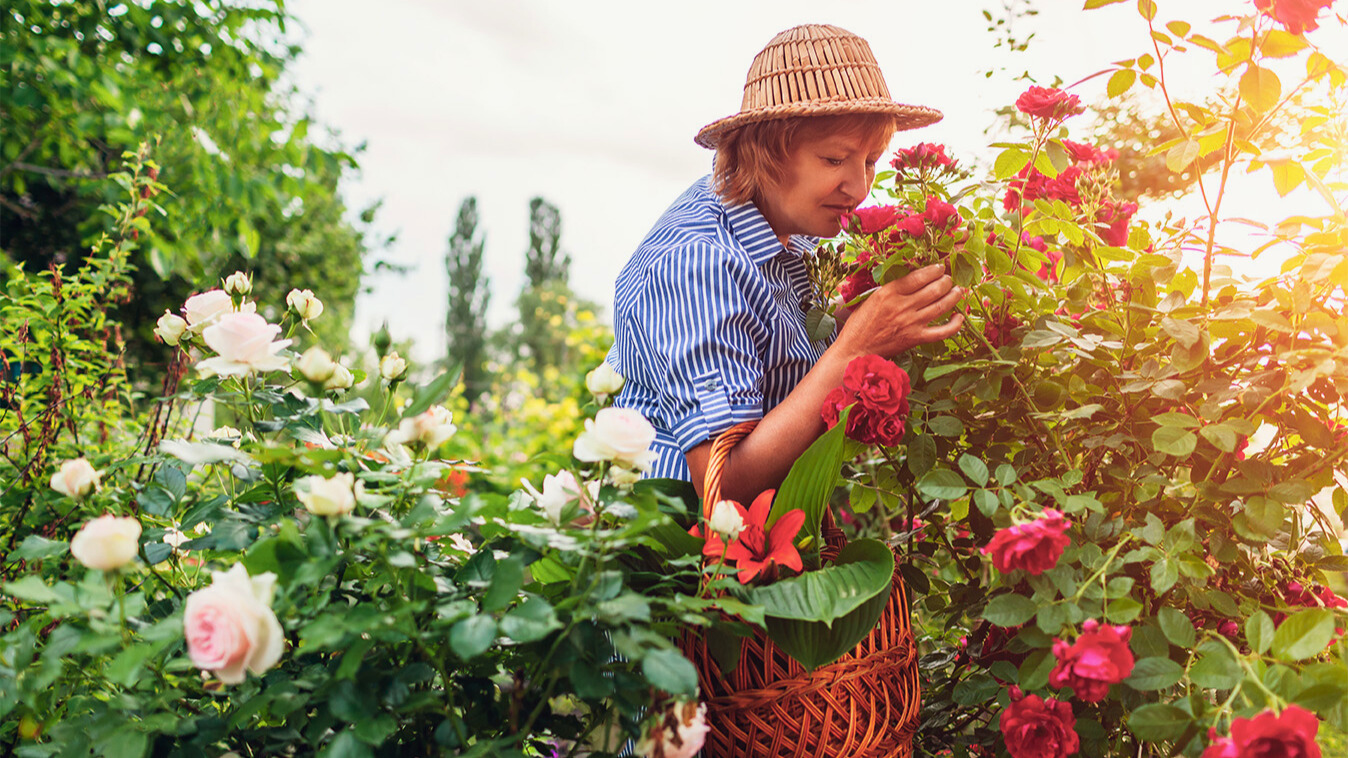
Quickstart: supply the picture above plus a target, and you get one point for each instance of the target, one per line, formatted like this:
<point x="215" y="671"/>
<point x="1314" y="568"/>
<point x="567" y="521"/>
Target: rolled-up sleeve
<point x="702" y="338"/>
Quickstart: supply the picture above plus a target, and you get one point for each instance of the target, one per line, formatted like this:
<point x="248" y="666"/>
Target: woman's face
<point x="824" y="177"/>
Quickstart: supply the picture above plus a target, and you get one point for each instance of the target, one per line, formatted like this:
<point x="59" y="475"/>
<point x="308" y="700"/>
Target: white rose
<point x="176" y="539"/>
<point x="621" y="476"/>
<point x="76" y="478"/>
<point x="226" y="434"/>
<point x="207" y="308"/>
<point x="230" y="626"/>
<point x="341" y="379"/>
<point x="170" y="328"/>
<point x="621" y="435"/>
<point x="327" y="497"/>
<point x="238" y="283"/>
<point x="316" y="365"/>
<point x="559" y="491"/>
<point x="392" y="368"/>
<point x="431" y="428"/>
<point x="726" y="520"/>
<point x="677" y="733"/>
<point x="304" y="304"/>
<point x="245" y="344"/>
<point x="107" y="542"/>
<point x="603" y="381"/>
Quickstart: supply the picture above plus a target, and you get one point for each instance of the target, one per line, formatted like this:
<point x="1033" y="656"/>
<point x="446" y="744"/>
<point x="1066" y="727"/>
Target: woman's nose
<point x="855" y="184"/>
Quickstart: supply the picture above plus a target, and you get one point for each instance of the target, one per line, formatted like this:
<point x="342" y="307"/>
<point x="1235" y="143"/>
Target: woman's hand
<point x="899" y="315"/>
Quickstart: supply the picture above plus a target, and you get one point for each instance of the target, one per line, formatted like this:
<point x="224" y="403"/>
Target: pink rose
<point x="230" y="626"/>
<point x="1099" y="658"/>
<point x="244" y="343"/>
<point x="206" y="308"/>
<point x="872" y="218"/>
<point x="1112" y="222"/>
<point x="1035" y="546"/>
<point x="913" y="225"/>
<point x="940" y="214"/>
<point x="856" y="285"/>
<point x="1051" y="104"/>
<point x="1037" y="728"/>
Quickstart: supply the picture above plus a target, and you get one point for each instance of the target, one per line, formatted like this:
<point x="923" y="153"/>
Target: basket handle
<point x="833" y="537"/>
<point x="720" y="455"/>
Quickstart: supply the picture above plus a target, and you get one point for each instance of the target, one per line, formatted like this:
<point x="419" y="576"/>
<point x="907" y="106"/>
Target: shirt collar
<point x="754" y="233"/>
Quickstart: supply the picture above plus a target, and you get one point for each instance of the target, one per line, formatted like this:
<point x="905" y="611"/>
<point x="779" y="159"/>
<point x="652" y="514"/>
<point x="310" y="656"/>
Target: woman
<point x="708" y="317"/>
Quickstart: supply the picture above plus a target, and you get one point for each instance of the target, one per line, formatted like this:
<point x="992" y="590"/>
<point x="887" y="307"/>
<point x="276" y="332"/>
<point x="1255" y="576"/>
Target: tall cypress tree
<point x="469" y="293"/>
<point x="545" y="300"/>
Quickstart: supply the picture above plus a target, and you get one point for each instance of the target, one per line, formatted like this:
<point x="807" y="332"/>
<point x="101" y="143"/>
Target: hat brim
<point x="906" y="116"/>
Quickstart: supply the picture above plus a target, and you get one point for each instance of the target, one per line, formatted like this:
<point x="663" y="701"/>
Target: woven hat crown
<point x="815" y="70"/>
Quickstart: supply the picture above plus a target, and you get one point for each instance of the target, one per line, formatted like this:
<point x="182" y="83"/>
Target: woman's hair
<point x="754" y="155"/>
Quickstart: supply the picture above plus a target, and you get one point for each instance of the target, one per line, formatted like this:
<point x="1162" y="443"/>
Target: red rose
<point x="998" y="334"/>
<point x="831" y="411"/>
<point x="1089" y="154"/>
<point x="1049" y="271"/>
<point x="884" y="429"/>
<point x="857" y="284"/>
<point x="873" y="218"/>
<point x="1099" y="657"/>
<point x="1038" y="728"/>
<point x="1268" y="735"/>
<point x="1035" y="546"/>
<point x="940" y="214"/>
<point x="924" y="156"/>
<point x="1049" y="103"/>
<point x="1297" y="16"/>
<point x="1112" y="220"/>
<point x="878" y="383"/>
<point x="913" y="226"/>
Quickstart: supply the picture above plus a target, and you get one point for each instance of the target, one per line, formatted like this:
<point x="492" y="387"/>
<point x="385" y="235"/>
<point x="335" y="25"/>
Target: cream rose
<point x="328" y="497"/>
<point x="316" y="365"/>
<point x="341" y="379"/>
<point x="621" y="435"/>
<point x="677" y="733"/>
<point x="76" y="478"/>
<point x="207" y="308"/>
<point x="170" y="328"/>
<point x="238" y="283"/>
<point x="107" y="542"/>
<point x="392" y="368"/>
<point x="230" y="626"/>
<point x="431" y="428"/>
<point x="244" y="342"/>
<point x="304" y="304"/>
<point x="559" y="491"/>
<point x="726" y="520"/>
<point x="603" y="381"/>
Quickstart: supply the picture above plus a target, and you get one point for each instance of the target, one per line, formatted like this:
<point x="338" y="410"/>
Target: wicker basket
<point x="863" y="705"/>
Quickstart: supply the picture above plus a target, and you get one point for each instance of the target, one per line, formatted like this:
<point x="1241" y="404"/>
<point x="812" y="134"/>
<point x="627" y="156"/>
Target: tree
<point x="547" y="299"/>
<point x="202" y="82"/>
<point x="469" y="293"/>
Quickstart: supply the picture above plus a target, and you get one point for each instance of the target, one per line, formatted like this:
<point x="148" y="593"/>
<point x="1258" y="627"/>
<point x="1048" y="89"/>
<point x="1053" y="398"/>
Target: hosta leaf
<point x="812" y="478"/>
<point x="863" y="571"/>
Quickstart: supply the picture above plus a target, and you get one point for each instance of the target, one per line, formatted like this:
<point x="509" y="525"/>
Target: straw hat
<point x="815" y="70"/>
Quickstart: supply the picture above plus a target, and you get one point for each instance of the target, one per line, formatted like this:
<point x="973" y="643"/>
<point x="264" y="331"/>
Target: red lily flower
<point x="758" y="550"/>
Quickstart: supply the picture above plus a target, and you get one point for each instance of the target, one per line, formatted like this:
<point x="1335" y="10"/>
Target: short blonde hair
<point x="754" y="155"/>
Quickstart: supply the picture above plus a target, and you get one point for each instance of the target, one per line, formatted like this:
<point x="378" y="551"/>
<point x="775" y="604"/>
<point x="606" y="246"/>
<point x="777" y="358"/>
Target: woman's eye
<point x="834" y="161"/>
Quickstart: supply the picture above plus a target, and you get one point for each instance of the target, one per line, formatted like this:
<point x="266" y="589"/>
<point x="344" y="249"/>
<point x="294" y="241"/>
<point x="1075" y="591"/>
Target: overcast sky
<point x="593" y="105"/>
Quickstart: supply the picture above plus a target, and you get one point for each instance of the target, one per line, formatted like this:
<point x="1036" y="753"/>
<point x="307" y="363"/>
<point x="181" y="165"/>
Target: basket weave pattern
<point x="864" y="705"/>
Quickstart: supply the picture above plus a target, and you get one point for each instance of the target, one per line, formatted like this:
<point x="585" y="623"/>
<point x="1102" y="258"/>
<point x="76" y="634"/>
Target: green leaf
<point x="1010" y="610"/>
<point x="946" y="426"/>
<point x="1260" y="88"/>
<point x="921" y="454"/>
<point x="530" y="621"/>
<point x="505" y="584"/>
<point x="1010" y="162"/>
<point x="671" y="672"/>
<point x="1123" y="610"/>
<point x="812" y="478"/>
<point x="1157" y="722"/>
<point x="1154" y="674"/>
<point x="1177" y="627"/>
<point x="813" y="644"/>
<point x="942" y="484"/>
<point x="819" y="325"/>
<point x="127" y="742"/>
<point x="863" y="570"/>
<point x="1120" y="82"/>
<point x="431" y="393"/>
<point x="976" y="470"/>
<point x="1176" y="419"/>
<point x="1259" y="632"/>
<point x="1147" y="8"/>
<point x="1164" y="574"/>
<point x="472" y="636"/>
<point x="1180" y="156"/>
<point x="1216" y="669"/>
<point x="1304" y="634"/>
<point x="346" y="745"/>
<point x="1174" y="441"/>
<point x="1222" y="437"/>
<point x="35" y="548"/>
<point x="32" y="589"/>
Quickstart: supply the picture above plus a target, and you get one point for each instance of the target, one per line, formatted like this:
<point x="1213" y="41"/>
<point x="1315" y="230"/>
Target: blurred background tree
<point x="249" y="187"/>
<point x="469" y="295"/>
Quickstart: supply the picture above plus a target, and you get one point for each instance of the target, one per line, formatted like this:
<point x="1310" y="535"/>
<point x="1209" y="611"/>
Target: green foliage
<point x="251" y="189"/>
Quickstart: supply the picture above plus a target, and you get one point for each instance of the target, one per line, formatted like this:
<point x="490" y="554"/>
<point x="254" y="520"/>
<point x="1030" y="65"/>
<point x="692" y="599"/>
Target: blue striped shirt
<point x="709" y="323"/>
